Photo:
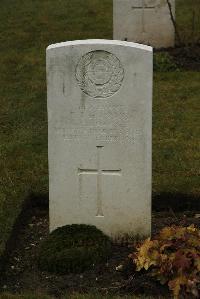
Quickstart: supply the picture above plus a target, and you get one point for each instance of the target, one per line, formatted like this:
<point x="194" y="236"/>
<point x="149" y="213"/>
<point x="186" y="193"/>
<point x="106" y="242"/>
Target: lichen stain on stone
<point x="63" y="88"/>
<point x="82" y="102"/>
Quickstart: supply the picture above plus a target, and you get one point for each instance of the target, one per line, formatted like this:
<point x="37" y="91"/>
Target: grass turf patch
<point x="73" y="249"/>
<point x="27" y="28"/>
<point x="176" y="157"/>
<point x="188" y="20"/>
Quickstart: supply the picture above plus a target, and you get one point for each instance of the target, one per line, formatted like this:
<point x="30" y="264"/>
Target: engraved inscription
<point x="99" y="122"/>
<point x="98" y="172"/>
<point x="99" y="74"/>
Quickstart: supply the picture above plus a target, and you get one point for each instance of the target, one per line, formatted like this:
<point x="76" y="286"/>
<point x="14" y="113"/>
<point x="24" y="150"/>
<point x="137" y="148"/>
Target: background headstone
<point x="144" y="21"/>
<point x="99" y="120"/>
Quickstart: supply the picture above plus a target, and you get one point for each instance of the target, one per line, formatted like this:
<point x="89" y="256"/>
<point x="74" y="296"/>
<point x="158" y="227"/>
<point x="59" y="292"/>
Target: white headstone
<point x="99" y="121"/>
<point x="144" y="21"/>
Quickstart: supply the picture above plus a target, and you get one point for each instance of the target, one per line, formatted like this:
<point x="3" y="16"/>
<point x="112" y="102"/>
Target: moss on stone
<point x="73" y="248"/>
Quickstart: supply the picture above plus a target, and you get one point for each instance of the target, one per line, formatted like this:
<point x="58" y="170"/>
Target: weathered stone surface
<point x="144" y="21"/>
<point x="99" y="120"/>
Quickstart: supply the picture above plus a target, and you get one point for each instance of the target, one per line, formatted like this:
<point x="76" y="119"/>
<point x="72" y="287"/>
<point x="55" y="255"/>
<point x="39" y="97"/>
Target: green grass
<point x="27" y="27"/>
<point x="188" y="20"/>
<point x="176" y="158"/>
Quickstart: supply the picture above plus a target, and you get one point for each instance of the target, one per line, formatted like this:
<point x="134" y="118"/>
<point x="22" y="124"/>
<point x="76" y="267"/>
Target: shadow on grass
<point x="178" y="202"/>
<point x="164" y="201"/>
<point x="28" y="209"/>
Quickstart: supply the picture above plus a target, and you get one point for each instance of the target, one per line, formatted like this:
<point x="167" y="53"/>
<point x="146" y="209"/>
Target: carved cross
<point x="143" y="7"/>
<point x="98" y="171"/>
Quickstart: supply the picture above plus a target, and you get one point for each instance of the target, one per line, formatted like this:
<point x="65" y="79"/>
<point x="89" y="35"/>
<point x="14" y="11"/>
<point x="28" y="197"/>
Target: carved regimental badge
<point x="99" y="74"/>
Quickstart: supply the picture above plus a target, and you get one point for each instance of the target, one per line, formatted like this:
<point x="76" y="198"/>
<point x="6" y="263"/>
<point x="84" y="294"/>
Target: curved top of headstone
<point x="101" y="42"/>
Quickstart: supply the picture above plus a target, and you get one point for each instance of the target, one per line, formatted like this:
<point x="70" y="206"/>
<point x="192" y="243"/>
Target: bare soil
<point x="21" y="273"/>
<point x="188" y="58"/>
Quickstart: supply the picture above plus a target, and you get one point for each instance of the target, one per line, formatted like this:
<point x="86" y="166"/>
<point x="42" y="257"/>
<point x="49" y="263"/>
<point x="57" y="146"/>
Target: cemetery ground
<point x="23" y="275"/>
<point x="27" y="28"/>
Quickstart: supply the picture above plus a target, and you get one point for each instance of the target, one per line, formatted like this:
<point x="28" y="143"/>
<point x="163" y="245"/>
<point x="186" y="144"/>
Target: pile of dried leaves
<point x="173" y="258"/>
